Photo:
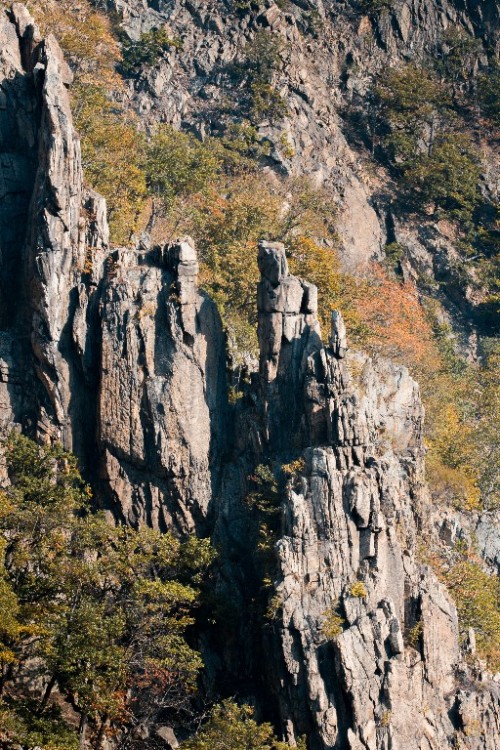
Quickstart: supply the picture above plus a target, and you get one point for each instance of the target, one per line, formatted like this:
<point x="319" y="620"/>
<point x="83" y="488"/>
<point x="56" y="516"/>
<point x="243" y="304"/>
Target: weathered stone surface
<point x="118" y="354"/>
<point x="338" y="336"/>
<point x="348" y="542"/>
<point x="162" y="390"/>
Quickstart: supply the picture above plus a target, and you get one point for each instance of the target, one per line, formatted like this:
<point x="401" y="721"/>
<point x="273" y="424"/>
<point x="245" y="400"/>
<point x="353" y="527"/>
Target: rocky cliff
<point x="84" y="361"/>
<point x="327" y="55"/>
<point x="120" y="356"/>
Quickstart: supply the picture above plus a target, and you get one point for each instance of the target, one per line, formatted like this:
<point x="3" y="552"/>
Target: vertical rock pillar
<point x="287" y="307"/>
<point x="288" y="332"/>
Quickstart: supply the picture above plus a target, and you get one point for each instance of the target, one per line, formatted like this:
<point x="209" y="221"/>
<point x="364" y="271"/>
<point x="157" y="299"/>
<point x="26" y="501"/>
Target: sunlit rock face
<point x="118" y="354"/>
<point x="162" y="399"/>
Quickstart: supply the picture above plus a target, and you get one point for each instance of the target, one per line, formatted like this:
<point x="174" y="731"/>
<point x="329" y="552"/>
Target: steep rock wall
<point x="119" y="355"/>
<point x="114" y="353"/>
<point x="162" y="399"/>
<point x="351" y="512"/>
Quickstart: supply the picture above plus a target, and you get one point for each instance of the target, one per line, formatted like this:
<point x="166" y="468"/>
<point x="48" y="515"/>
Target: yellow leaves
<point x="233" y="727"/>
<point x="10" y="627"/>
<point x="320" y="266"/>
<point x="451" y="469"/>
<point x="358" y="589"/>
<point x="112" y="153"/>
<point x="294" y="468"/>
<point x="452" y="486"/>
<point x="86" y="38"/>
<point x="7" y="656"/>
<point x="477" y="596"/>
<point x="333" y="623"/>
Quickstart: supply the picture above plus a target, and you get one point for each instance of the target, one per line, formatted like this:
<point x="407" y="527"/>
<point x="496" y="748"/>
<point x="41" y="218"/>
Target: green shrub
<point x="488" y="89"/>
<point x="124" y="601"/>
<point x="262" y="55"/>
<point x="459" y="51"/>
<point x="178" y="165"/>
<point x="477" y="596"/>
<point x="257" y="70"/>
<point x="264" y="496"/>
<point x="412" y="102"/>
<point x="375" y="6"/>
<point x="233" y="727"/>
<point x="448" y="177"/>
<point x="266" y="103"/>
<point x="415" y="634"/>
<point x="439" y="165"/>
<point x="147" y="51"/>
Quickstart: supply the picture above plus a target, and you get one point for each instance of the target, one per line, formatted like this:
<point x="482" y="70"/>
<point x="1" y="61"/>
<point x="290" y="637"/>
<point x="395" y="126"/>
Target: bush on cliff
<point x="477" y="596"/>
<point x="423" y="140"/>
<point x="489" y="93"/>
<point x="147" y="50"/>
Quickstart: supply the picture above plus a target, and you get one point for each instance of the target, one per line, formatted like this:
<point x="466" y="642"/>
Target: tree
<point x="257" y="71"/>
<point x="477" y="596"/>
<point x="101" y="611"/>
<point x="374" y="7"/>
<point x="412" y="103"/>
<point x="485" y="434"/>
<point x="488" y="90"/>
<point x="319" y="264"/>
<point x="447" y="177"/>
<point x="438" y="164"/>
<point x="147" y="51"/>
<point x="458" y="53"/>
<point x="232" y="727"/>
<point x="177" y="165"/>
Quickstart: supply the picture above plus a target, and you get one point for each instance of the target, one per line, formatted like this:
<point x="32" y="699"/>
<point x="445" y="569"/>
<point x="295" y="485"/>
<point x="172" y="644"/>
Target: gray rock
<point x="119" y="355"/>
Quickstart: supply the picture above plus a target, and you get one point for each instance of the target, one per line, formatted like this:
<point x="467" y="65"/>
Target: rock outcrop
<point x="348" y="434"/>
<point x="162" y="413"/>
<point x="114" y="353"/>
<point x="119" y="355"/>
<point x="50" y="223"/>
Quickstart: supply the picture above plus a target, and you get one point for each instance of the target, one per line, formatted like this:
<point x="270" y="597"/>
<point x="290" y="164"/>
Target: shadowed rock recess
<point x="117" y="354"/>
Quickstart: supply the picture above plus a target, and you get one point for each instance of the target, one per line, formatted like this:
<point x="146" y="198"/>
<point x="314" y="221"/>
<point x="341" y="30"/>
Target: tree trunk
<point x="152" y="218"/>
<point x="81" y="730"/>
<point x="48" y="692"/>
<point x="5" y="676"/>
<point x="100" y="734"/>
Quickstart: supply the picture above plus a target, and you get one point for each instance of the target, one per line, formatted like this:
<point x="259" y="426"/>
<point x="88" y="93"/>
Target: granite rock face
<point x="162" y="389"/>
<point x="119" y="355"/>
<point x="114" y="353"/>
<point x="351" y="512"/>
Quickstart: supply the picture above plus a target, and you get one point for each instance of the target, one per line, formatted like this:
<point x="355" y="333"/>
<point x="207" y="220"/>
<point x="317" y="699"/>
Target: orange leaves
<point x="394" y="322"/>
